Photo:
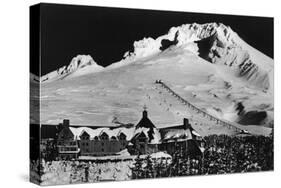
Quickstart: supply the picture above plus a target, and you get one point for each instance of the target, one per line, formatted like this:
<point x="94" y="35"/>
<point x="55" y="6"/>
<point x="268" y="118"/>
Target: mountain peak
<point x="213" y="42"/>
<point x="186" y="33"/>
<point x="79" y="65"/>
<point x="217" y="44"/>
<point x="80" y="61"/>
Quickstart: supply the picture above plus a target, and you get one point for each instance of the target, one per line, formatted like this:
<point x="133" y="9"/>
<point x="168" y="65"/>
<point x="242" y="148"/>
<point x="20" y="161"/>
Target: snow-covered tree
<point x="137" y="171"/>
<point x="149" y="167"/>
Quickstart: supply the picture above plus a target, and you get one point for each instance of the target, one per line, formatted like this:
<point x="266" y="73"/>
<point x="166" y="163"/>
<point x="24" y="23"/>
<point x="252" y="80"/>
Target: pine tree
<point x="160" y="169"/>
<point x="184" y="167"/>
<point x="149" y="168"/>
<point x="41" y="169"/>
<point x="137" y="171"/>
<point x="87" y="173"/>
<point x="174" y="166"/>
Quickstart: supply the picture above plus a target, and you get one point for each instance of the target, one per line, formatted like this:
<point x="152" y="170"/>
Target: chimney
<point x="186" y="124"/>
<point x="65" y="123"/>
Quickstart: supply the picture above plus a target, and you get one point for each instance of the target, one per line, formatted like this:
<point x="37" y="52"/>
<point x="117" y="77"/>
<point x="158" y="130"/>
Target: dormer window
<point x="122" y="136"/>
<point x="113" y="138"/>
<point x="85" y="136"/>
<point x="96" y="138"/>
<point x="104" y="136"/>
<point x="142" y="137"/>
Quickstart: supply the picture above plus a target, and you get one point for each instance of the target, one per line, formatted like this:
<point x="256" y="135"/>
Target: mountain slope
<point x="211" y="82"/>
<point x="79" y="65"/>
<point x="217" y="44"/>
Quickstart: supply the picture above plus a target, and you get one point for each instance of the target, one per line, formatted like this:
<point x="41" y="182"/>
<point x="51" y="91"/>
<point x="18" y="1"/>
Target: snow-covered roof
<point x="77" y="132"/>
<point x="177" y="134"/>
<point x="155" y="138"/>
<point x="154" y="135"/>
<point x="195" y="133"/>
<point x="160" y="155"/>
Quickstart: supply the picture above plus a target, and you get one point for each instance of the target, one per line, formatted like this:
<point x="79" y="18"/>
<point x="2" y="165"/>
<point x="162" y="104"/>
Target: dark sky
<point x="107" y="33"/>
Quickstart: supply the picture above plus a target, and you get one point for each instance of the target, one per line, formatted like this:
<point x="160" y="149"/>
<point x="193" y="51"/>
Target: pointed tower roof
<point x="145" y="122"/>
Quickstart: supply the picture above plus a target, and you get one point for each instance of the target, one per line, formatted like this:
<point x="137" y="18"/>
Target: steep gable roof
<point x="66" y="133"/>
<point x="145" y="122"/>
<point x="93" y="132"/>
<point x="84" y="133"/>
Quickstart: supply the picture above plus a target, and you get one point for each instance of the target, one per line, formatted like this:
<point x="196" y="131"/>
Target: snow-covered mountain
<point x="218" y="44"/>
<point x="79" y="65"/>
<point x="209" y="65"/>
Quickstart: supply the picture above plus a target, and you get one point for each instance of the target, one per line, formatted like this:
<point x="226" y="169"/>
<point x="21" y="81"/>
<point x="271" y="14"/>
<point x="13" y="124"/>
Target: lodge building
<point x="144" y="138"/>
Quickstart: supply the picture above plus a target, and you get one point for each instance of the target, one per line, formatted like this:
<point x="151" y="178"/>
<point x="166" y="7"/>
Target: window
<point x="122" y="136"/>
<point x="104" y="136"/>
<point x="85" y="136"/>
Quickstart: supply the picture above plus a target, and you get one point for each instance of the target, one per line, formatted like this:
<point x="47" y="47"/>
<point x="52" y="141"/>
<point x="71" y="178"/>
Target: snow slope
<point x="218" y="44"/>
<point x="79" y="65"/>
<point x="216" y="78"/>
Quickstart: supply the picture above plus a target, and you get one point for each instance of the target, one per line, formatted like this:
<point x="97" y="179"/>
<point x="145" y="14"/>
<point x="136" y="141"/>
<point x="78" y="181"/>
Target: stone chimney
<point x="186" y="123"/>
